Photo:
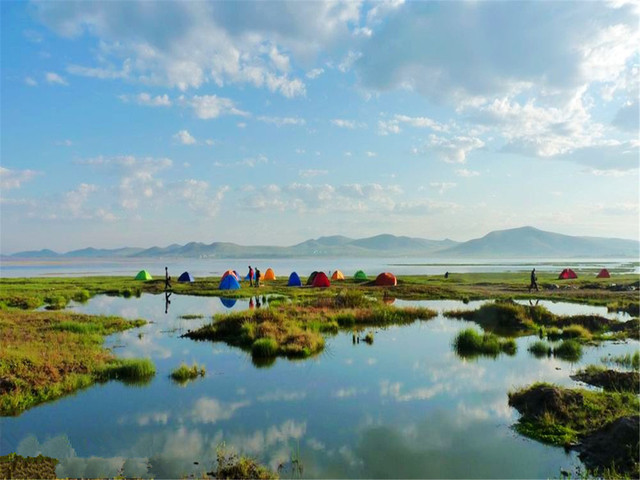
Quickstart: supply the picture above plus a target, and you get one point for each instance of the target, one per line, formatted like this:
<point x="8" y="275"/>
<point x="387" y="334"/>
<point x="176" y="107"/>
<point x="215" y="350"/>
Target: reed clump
<point x="185" y="372"/>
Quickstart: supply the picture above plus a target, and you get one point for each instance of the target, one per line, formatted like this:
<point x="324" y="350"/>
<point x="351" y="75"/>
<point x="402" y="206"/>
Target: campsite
<point x="371" y="337"/>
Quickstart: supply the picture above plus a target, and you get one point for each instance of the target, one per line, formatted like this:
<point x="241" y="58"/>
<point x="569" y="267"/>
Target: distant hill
<point x="514" y="243"/>
<point x="531" y="242"/>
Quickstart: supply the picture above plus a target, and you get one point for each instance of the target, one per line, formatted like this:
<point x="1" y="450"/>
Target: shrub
<point x="264" y="347"/>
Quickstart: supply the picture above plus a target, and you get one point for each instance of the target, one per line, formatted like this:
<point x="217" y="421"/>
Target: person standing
<point x="257" y="284"/>
<point x="534" y="281"/>
<point x="250" y="276"/>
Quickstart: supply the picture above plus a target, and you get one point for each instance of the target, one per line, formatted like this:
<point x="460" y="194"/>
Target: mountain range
<point x="513" y="243"/>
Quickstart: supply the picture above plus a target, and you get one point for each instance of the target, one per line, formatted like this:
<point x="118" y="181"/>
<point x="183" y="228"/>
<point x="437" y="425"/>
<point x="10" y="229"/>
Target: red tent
<point x="567" y="273"/>
<point x="604" y="273"/>
<point x="321" y="280"/>
<point x="386" y="279"/>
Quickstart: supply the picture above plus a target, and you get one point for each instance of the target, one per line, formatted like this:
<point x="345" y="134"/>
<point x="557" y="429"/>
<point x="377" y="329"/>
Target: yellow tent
<point x="269" y="275"/>
<point x="337" y="275"/>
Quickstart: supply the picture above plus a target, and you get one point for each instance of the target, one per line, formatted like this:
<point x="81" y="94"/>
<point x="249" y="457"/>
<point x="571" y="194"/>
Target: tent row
<point x="567" y="273"/>
<point x="230" y="279"/>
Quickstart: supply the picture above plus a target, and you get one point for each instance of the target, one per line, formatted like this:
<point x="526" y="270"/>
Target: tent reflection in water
<point x="228" y="302"/>
<point x="143" y="275"/>
<point x="186" y="277"/>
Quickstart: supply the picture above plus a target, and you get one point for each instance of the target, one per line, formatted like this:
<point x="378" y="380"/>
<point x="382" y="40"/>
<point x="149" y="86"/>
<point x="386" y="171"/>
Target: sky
<point x="128" y="123"/>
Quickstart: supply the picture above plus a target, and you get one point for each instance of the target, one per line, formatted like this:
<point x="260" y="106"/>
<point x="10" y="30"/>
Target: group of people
<point x="254" y="275"/>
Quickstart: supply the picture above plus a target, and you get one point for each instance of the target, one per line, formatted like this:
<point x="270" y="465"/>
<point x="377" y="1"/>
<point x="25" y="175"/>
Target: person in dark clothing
<point x="446" y="275"/>
<point x="250" y="276"/>
<point x="258" y="275"/>
<point x="534" y="281"/>
<point x="167" y="279"/>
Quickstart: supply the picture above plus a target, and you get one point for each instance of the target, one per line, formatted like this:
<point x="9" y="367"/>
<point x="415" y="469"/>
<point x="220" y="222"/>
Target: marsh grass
<point x="368" y="338"/>
<point x="191" y="316"/>
<point x="576" y="332"/>
<point x="629" y="360"/>
<point x="128" y="370"/>
<point x="49" y="354"/>
<point x="569" y="350"/>
<point x="469" y="343"/>
<point x="540" y="349"/>
<point x="296" y="330"/>
<point x="184" y="373"/>
<point x="233" y="466"/>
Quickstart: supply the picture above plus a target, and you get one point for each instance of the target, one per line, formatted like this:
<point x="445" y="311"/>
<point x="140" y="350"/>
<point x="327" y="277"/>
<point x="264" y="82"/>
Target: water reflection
<point x="405" y="406"/>
<point x="228" y="302"/>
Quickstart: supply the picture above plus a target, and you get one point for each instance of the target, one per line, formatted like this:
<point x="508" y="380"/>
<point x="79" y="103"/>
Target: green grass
<point x="540" y="349"/>
<point x="576" y="331"/>
<point x="470" y="343"/>
<point x="569" y="350"/>
<point x="264" y="348"/>
<point x="185" y="373"/>
<point x="232" y="466"/>
<point x="128" y="370"/>
<point x="191" y="316"/>
<point x="45" y="355"/>
<point x="17" y="466"/>
<point x="571" y="413"/>
<point x="629" y="360"/>
<point x="368" y="338"/>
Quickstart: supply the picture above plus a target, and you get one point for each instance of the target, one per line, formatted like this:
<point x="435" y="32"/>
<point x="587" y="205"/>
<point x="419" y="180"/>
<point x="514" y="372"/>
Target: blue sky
<point x="151" y="123"/>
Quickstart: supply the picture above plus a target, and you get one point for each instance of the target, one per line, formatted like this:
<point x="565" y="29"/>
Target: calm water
<point x="304" y="266"/>
<point x="405" y="406"/>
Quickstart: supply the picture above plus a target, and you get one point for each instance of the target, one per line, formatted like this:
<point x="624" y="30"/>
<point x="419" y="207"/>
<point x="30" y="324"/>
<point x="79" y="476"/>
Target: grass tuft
<point x="470" y="343"/>
<point x="185" y="373"/>
<point x="540" y="349"/>
<point x="264" y="348"/>
<point x="569" y="350"/>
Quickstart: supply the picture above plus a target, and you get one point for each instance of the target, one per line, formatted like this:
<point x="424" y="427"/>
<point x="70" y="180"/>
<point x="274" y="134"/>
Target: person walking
<point x="250" y="276"/>
<point x="167" y="280"/>
<point x="534" y="281"/>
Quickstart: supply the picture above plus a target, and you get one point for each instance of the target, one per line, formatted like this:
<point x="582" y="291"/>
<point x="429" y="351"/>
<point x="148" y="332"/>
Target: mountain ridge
<point x="510" y="243"/>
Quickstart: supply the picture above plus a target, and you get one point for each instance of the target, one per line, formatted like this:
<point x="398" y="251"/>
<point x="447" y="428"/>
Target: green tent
<point x="143" y="275"/>
<point x="360" y="275"/>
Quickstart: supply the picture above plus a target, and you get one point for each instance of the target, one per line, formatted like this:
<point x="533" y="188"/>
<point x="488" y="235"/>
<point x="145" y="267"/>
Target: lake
<point x="405" y="406"/>
<point x="304" y="266"/>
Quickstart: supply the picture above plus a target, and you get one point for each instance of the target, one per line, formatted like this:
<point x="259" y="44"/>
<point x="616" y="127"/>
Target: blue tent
<point x="238" y="276"/>
<point x="228" y="302"/>
<point x="252" y="278"/>
<point x="229" y="283"/>
<point x="185" y="277"/>
<point x="294" y="280"/>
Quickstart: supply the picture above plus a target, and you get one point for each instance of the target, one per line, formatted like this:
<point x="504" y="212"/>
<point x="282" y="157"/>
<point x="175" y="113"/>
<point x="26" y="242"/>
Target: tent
<point x="386" y="279"/>
<point x="185" y="277"/>
<point x="604" y="273"/>
<point x="294" y="280"/>
<point x="252" y="278"/>
<point x="269" y="275"/>
<point x="567" y="273"/>
<point x="232" y="273"/>
<point x="143" y="275"/>
<point x="229" y="282"/>
<point x="337" y="275"/>
<point x="360" y="276"/>
<point x="228" y="302"/>
<point x="321" y="280"/>
<point x="312" y="277"/>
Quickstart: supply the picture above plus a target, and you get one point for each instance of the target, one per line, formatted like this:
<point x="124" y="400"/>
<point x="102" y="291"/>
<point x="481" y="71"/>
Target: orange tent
<point x="604" y="273"/>
<point x="386" y="279"/>
<point x="321" y="280"/>
<point x="337" y="275"/>
<point x="567" y="273"/>
<point x="269" y="275"/>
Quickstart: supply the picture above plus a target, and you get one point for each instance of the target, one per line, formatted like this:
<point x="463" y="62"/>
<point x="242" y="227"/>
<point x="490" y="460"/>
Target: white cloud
<point x="312" y="173"/>
<point x="347" y="62"/>
<point x="442" y="186"/>
<point x="315" y="73"/>
<point x="55" y="79"/>
<point x="210" y="410"/>
<point x="281" y="121"/>
<point x="282" y="396"/>
<point x="30" y="81"/>
<point x="245" y="162"/>
<point x="150" y="101"/>
<point x="371" y="154"/>
<point x="452" y="150"/>
<point x="64" y="143"/>
<point x="350" y="124"/>
<point x="184" y="137"/>
<point x="463" y="172"/>
<point x="211" y="106"/>
<point x="10" y="179"/>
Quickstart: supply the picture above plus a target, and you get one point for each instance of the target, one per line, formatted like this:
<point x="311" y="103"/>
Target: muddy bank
<point x="602" y="426"/>
<point x="611" y="380"/>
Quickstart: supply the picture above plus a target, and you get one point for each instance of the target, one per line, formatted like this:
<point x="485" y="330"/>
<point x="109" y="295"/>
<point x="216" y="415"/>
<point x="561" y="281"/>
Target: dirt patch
<point x="543" y="399"/>
<point x="610" y="379"/>
<point x="614" y="444"/>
